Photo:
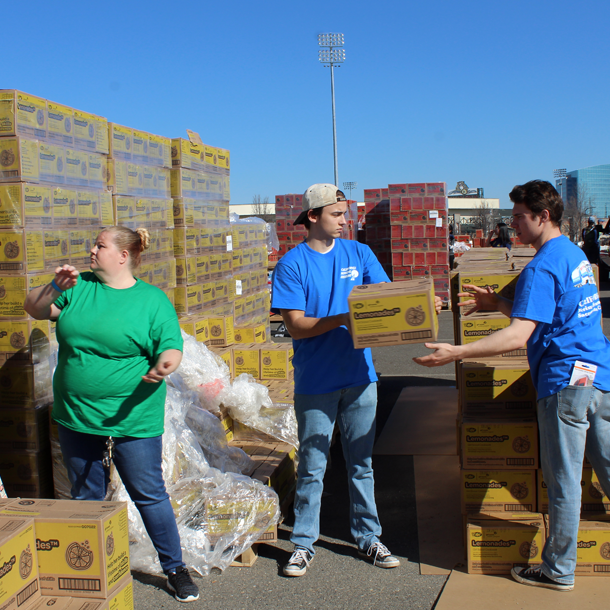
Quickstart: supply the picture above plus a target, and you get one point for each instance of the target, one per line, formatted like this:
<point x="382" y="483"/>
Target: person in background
<point x="557" y="311"/>
<point x="499" y="237"/>
<point x="590" y="239"/>
<point x="334" y="382"/>
<point x="118" y="339"/>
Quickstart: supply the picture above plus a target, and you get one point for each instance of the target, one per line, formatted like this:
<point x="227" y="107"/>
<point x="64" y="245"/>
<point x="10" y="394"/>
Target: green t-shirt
<point x="108" y="339"/>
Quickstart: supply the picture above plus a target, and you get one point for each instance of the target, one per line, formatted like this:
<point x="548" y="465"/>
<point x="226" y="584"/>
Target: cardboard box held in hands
<point x="393" y="313"/>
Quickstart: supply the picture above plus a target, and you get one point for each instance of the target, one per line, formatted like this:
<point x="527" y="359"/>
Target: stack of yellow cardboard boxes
<point x="138" y="176"/>
<point x="66" y="554"/>
<point x="503" y="494"/>
<point x="53" y="201"/>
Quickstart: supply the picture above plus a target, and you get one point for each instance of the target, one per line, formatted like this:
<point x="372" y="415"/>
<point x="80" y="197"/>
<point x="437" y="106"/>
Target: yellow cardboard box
<point x="502" y="491"/>
<point x="88" y="208"/>
<point x="25" y="430"/>
<point x="22" y="114"/>
<point x="276" y="361"/>
<point x="497" y="387"/>
<point x="19" y="160"/>
<point x="483" y="324"/>
<point x="189" y="299"/>
<point x="19" y="583"/>
<point x="52" y="162"/>
<point x="496" y="544"/>
<point x="187" y="154"/>
<point x="392" y="313"/>
<point x="246" y="359"/>
<point x="25" y="204"/>
<point x="60" y="124"/>
<point x="82" y="548"/>
<point x="25" y="340"/>
<point x="251" y="334"/>
<point x="77" y="167"/>
<point x="120" y="140"/>
<point x="593" y="549"/>
<point x="64" y="207"/>
<point x="222" y="331"/>
<point x="90" y="132"/>
<point x="159" y="151"/>
<point x="499" y="444"/>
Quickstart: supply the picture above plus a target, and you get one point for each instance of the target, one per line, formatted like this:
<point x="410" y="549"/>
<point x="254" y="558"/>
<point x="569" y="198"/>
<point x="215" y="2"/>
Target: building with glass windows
<point x="594" y="185"/>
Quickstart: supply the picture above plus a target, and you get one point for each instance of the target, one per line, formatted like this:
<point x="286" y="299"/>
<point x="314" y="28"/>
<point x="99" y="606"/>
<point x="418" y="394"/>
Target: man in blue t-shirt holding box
<point x="333" y="381"/>
<point x="557" y="311"/>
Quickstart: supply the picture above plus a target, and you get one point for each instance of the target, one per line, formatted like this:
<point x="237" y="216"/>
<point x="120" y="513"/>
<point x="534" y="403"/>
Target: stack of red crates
<point x="407" y="229"/>
<point x="287" y="210"/>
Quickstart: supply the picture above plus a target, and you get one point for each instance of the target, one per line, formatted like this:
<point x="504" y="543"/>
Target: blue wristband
<point x="56" y="287"/>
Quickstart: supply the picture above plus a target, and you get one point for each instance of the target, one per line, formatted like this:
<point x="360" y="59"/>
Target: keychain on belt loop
<point x="108" y="453"/>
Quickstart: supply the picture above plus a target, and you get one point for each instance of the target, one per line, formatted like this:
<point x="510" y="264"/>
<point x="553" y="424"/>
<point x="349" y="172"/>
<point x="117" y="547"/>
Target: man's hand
<point x="444" y="353"/>
<point x="66" y="277"/>
<point x="485" y="299"/>
<point x="438" y="304"/>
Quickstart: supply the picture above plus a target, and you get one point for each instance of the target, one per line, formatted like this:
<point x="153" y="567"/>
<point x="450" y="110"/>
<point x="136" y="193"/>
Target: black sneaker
<point x="298" y="563"/>
<point x="535" y="578"/>
<point x="181" y="583"/>
<point x="380" y="556"/>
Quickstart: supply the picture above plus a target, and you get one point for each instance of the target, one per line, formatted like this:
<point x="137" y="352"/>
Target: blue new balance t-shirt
<point x="319" y="285"/>
<point x="557" y="289"/>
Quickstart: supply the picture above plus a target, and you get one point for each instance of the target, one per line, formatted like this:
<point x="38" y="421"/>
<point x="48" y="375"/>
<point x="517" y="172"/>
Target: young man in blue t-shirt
<point x="557" y="311"/>
<point x="333" y="381"/>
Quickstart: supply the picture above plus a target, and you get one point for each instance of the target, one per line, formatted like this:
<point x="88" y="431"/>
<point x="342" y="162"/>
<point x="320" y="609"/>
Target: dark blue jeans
<point x="138" y="462"/>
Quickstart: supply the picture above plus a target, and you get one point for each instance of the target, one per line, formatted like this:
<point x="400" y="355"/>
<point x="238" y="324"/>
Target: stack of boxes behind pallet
<point x="65" y="554"/>
<point x="503" y="494"/>
<point x="406" y="227"/>
<point x="287" y="210"/>
<point x="66" y="174"/>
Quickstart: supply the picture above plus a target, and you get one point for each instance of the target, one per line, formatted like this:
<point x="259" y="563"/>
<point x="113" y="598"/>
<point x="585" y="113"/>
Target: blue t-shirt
<point x="319" y="285"/>
<point x="557" y="289"/>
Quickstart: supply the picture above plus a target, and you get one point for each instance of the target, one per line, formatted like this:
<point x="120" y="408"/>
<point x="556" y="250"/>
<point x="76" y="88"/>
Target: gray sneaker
<point x="298" y="563"/>
<point x="379" y="555"/>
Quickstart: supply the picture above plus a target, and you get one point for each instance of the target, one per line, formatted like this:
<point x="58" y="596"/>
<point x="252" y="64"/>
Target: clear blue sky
<point x="492" y="93"/>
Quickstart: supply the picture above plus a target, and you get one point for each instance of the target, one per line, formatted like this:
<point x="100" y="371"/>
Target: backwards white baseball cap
<point x="319" y="196"/>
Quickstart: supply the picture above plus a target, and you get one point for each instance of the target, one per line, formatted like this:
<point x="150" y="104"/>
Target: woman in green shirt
<point x="118" y="339"/>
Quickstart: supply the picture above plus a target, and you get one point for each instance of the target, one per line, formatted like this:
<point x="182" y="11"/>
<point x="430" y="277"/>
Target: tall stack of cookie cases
<point x="287" y="210"/>
<point x="53" y="201"/>
<point x="406" y="227"/>
<point x="138" y="177"/>
<point x="504" y="500"/>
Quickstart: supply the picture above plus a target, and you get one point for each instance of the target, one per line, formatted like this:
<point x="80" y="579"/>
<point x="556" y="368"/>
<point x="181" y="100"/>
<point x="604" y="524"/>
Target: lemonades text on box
<point x="393" y="313"/>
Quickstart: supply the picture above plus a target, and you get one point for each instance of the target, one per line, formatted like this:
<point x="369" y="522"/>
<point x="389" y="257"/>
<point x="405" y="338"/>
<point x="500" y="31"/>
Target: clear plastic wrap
<point x="460" y="246"/>
<point x="249" y="403"/>
<point x="273" y="243"/>
<point x="219" y="514"/>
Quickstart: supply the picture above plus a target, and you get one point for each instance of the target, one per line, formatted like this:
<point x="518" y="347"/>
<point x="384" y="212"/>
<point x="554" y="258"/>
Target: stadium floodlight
<point x="330" y="55"/>
<point x="349" y="186"/>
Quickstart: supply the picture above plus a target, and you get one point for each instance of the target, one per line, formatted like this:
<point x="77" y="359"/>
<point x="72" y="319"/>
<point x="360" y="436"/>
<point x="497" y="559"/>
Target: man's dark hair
<point x="539" y="195"/>
<point x="317" y="212"/>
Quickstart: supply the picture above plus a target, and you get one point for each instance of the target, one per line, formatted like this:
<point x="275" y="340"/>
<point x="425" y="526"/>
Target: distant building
<point x="595" y="182"/>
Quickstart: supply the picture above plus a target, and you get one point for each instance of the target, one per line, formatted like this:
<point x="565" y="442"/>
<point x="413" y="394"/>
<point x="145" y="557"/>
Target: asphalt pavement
<point x="337" y="578"/>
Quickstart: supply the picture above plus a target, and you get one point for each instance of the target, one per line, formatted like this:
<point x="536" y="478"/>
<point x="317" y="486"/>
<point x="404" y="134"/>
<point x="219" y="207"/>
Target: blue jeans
<point x="568" y="420"/>
<point x="355" y="410"/>
<point x="138" y="462"/>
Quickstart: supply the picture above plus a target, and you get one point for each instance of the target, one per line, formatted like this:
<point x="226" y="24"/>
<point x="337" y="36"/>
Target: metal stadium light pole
<point x="330" y="55"/>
